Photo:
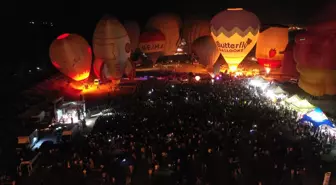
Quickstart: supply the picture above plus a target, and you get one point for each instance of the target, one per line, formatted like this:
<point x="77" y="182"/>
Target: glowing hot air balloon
<point x="152" y="43"/>
<point x="97" y="67"/>
<point x="133" y="31"/>
<point x="270" y="47"/>
<point x="315" y="55"/>
<point x="169" y="25"/>
<point x="235" y="32"/>
<point x="193" y="29"/>
<point x="206" y="50"/>
<point x="71" y="54"/>
<point x="111" y="44"/>
<point x="288" y="64"/>
<point x="130" y="70"/>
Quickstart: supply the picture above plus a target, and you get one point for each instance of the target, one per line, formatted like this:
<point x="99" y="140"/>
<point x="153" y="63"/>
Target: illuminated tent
<point x="279" y="90"/>
<point x="302" y="106"/>
<point x="294" y="98"/>
<point x="270" y="47"/>
<point x="71" y="55"/>
<point x="170" y="25"/>
<point x="235" y="32"/>
<point x="318" y="118"/>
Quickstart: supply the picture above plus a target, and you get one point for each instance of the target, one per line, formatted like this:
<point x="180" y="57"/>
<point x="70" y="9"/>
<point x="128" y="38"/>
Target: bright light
<point x="179" y="49"/>
<point x="268" y="70"/>
<point x="197" y="78"/>
<point x="233" y="68"/>
<point x="212" y="80"/>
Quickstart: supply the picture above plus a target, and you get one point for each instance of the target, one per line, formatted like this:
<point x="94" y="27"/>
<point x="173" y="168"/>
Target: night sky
<point x="28" y="45"/>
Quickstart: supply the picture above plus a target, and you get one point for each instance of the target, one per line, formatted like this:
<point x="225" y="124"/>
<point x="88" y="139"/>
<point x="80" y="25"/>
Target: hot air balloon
<point x="235" y="32"/>
<point x="206" y="50"/>
<point x="288" y="64"/>
<point x="111" y="44"/>
<point x="270" y="47"/>
<point x="315" y="55"/>
<point x="130" y="70"/>
<point x="169" y="25"/>
<point x="71" y="54"/>
<point x="133" y="31"/>
<point x="193" y="29"/>
<point x="152" y="43"/>
<point x="97" y="67"/>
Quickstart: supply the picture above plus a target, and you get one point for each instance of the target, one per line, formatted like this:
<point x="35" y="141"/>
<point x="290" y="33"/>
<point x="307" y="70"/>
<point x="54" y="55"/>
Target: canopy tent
<point x="278" y="90"/>
<point x="317" y="118"/>
<point x="302" y="106"/>
<point x="294" y="98"/>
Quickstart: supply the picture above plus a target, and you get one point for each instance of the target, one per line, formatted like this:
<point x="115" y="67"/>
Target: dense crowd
<point x="206" y="132"/>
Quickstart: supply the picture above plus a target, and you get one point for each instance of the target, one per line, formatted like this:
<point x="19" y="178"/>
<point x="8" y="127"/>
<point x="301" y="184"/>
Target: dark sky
<point x="269" y="11"/>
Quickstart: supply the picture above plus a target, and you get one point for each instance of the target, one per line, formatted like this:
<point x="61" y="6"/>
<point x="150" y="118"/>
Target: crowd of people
<point x="206" y="132"/>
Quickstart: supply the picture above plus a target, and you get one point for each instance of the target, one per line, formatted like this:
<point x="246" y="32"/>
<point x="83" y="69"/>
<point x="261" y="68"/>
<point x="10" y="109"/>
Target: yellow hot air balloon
<point x="194" y="28"/>
<point x="235" y="32"/>
<point x="112" y="44"/>
<point x="206" y="50"/>
<point x="133" y="31"/>
<point x="71" y="54"/>
<point x="169" y="25"/>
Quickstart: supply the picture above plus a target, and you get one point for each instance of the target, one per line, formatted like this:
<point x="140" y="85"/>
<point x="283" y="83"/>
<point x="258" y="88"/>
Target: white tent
<point x="278" y="90"/>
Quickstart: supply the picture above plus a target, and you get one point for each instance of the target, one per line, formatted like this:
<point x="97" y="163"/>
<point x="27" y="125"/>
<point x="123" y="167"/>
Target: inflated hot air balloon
<point x="270" y="47"/>
<point x="111" y="44"/>
<point x="130" y="70"/>
<point x="169" y="25"/>
<point x="133" y="31"/>
<point x="288" y="64"/>
<point x="235" y="32"/>
<point x="152" y="43"/>
<point x="71" y="54"/>
<point x="194" y="28"/>
<point x="315" y="55"/>
<point x="206" y="50"/>
<point x="97" y="67"/>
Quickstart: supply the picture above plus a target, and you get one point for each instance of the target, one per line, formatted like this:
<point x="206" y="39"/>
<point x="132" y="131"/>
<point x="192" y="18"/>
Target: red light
<point x="63" y="36"/>
<point x="89" y="50"/>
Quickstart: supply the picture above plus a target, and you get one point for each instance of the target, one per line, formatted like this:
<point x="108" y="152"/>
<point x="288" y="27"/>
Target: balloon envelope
<point x="315" y="55"/>
<point x="235" y="32"/>
<point x="97" y="67"/>
<point x="193" y="29"/>
<point x="153" y="43"/>
<point x="169" y="25"/>
<point x="71" y="54"/>
<point x="206" y="50"/>
<point x="270" y="47"/>
<point x="133" y="31"/>
<point x="288" y="66"/>
<point x="112" y="44"/>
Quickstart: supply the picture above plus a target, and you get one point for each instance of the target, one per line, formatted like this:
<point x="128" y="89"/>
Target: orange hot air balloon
<point x="193" y="29"/>
<point x="206" y="50"/>
<point x="270" y="47"/>
<point x="97" y="67"/>
<point x="111" y="44"/>
<point x="235" y="32"/>
<point x="152" y="43"/>
<point x="169" y="25"/>
<point x="133" y="31"/>
<point x="71" y="54"/>
<point x="130" y="70"/>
